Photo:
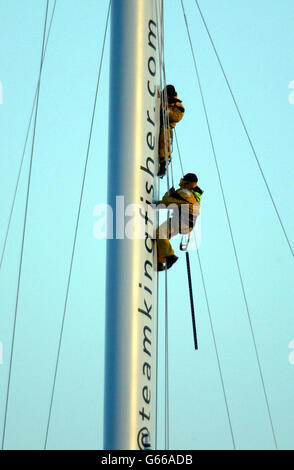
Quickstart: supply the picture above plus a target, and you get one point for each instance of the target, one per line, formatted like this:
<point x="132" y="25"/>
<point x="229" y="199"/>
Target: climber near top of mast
<point x="186" y="200"/>
<point x="168" y="120"/>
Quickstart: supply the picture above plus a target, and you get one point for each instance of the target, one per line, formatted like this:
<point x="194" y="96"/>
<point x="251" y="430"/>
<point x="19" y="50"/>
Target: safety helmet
<point x="191" y="177"/>
<point x="171" y="91"/>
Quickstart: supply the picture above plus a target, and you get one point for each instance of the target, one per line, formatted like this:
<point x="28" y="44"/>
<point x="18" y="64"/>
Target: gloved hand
<point x="171" y="191"/>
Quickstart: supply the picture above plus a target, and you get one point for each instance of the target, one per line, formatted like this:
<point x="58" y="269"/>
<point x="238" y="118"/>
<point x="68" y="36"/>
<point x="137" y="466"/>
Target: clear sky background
<point x="255" y="41"/>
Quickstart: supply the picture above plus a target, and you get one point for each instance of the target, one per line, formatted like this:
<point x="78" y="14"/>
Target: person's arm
<point x="176" y="112"/>
<point x="175" y="197"/>
<point x="171" y="197"/>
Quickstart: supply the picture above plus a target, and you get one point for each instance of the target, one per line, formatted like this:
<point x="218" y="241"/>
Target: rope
<point x="246" y="131"/>
<point x="24" y="231"/>
<point x="179" y="153"/>
<point x="211" y="324"/>
<point x="76" y="229"/>
<point x="165" y="127"/>
<point x="25" y="146"/>
<point x="166" y="123"/>
<point x="191" y="300"/>
<point x="157" y="220"/>
<point x="231" y="231"/>
<point x="216" y="349"/>
<point x="166" y="367"/>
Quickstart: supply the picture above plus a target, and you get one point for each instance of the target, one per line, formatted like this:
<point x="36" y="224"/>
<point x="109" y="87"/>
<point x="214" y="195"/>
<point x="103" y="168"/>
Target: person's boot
<point x="162" y="169"/>
<point x="160" y="267"/>
<point x="170" y="260"/>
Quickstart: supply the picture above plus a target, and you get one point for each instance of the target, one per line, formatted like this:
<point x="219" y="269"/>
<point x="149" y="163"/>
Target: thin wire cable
<point x="155" y="258"/>
<point x="231" y="231"/>
<point x="165" y="113"/>
<point x="25" y="146"/>
<point x="211" y="324"/>
<point x="24" y="233"/>
<point x="76" y="229"/>
<point x="165" y="127"/>
<point x="166" y="366"/>
<point x="216" y="348"/>
<point x="246" y="130"/>
<point x="166" y="132"/>
<point x="159" y="37"/>
<point x="166" y="116"/>
<point x="179" y="153"/>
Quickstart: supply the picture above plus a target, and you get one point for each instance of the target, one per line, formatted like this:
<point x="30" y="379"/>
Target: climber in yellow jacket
<point x="186" y="204"/>
<point x="168" y="121"/>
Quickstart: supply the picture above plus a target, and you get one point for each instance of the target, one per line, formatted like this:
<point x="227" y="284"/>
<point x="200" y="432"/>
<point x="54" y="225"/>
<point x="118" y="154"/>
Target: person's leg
<point x="165" y="252"/>
<point x="164" y="248"/>
<point x="164" y="150"/>
<point x="164" y="144"/>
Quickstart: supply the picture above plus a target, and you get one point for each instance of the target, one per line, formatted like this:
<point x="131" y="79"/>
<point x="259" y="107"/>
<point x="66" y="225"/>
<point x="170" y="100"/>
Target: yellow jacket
<point x="184" y="197"/>
<point x="175" y="112"/>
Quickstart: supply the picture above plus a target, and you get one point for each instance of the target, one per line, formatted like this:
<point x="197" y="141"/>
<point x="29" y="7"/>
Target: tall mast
<point x="131" y="285"/>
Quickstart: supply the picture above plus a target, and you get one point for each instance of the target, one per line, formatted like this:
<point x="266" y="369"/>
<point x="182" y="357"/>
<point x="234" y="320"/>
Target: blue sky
<point x="255" y="41"/>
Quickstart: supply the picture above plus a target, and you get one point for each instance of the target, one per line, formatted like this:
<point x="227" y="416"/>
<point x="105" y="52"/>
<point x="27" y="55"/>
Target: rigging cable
<point x="165" y="128"/>
<point x="166" y="116"/>
<point x="24" y="228"/>
<point x="76" y="228"/>
<point x="246" y="130"/>
<point x="165" y="113"/>
<point x="210" y="321"/>
<point x="156" y="196"/>
<point x="191" y="299"/>
<point x="166" y="136"/>
<point x="179" y="153"/>
<point x="230" y="230"/>
<point x="25" y="144"/>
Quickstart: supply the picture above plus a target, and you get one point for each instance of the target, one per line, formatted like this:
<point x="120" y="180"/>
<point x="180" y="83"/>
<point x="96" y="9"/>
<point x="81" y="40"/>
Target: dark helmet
<point x="191" y="177"/>
<point x="171" y="91"/>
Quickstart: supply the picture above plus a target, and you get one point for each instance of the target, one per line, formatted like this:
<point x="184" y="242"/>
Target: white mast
<point x="131" y="290"/>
